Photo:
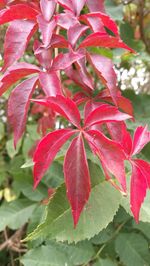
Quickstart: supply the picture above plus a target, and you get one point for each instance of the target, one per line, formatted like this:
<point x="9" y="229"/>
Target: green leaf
<point x="102" y="51"/>
<point x="45" y="256"/>
<point x="3" y="169"/>
<point x="24" y="184"/>
<point x="2" y="130"/>
<point x="78" y="254"/>
<point x="114" y="10"/>
<point x="132" y="249"/>
<point x="143" y="227"/>
<point x="15" y="213"/>
<point x="98" y="213"/>
<point x="28" y="163"/>
<point x="141" y="106"/>
<point x="127" y="35"/>
<point x="36" y="218"/>
<point x="54" y="177"/>
<point x="145" y="209"/>
<point x="10" y="148"/>
<point x="104" y="236"/>
<point x="95" y="173"/>
<point x="59" y="254"/>
<point x="32" y="131"/>
<point x="105" y="262"/>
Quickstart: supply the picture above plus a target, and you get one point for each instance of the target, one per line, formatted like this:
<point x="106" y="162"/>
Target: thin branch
<point x="13" y="243"/>
<point x="141" y="24"/>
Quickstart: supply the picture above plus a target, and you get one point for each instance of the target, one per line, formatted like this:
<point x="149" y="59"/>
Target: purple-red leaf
<point x="80" y="75"/>
<point x="122" y="102"/>
<point x="17" y="37"/>
<point x="104" y="19"/>
<point x="96" y="5"/>
<point x="80" y="98"/>
<point x="140" y="182"/>
<point x="140" y="139"/>
<point x="50" y="83"/>
<point x="19" y="11"/>
<point x="46" y="151"/>
<point x="58" y="41"/>
<point x="47" y="8"/>
<point x="64" y="106"/>
<point x="110" y="154"/>
<point x="90" y="106"/>
<point x="104" y="40"/>
<point x="77" y="6"/>
<point x="43" y="55"/>
<point x="73" y="5"/>
<point x="105" y="113"/>
<point x="75" y="32"/>
<point x="104" y="68"/>
<point x="47" y="29"/>
<point x="66" y="4"/>
<point x="18" y="105"/>
<point x="16" y="72"/>
<point x="119" y="133"/>
<point x="67" y="19"/>
<point x="77" y="177"/>
<point x="94" y="22"/>
<point x="63" y="61"/>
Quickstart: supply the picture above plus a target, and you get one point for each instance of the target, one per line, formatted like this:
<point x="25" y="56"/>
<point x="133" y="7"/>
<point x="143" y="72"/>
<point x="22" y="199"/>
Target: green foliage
<point x="133" y="249"/>
<point x="114" y="10"/>
<point x="59" y="225"/>
<point x="16" y="213"/>
<point x="62" y="254"/>
<point x="106" y="234"/>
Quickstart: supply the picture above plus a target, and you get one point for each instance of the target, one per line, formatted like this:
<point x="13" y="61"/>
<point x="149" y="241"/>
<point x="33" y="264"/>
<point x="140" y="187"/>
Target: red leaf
<point x="17" y="37"/>
<point x="45" y="123"/>
<point x="19" y="11"/>
<point x="80" y="98"/>
<point x="66" y="4"/>
<point x="14" y="73"/>
<point x="73" y="5"/>
<point x="50" y="83"/>
<point x="43" y="55"/>
<point x="104" y="40"/>
<point x="94" y="22"/>
<point x="75" y="32"/>
<point x="140" y="182"/>
<point x="77" y="6"/>
<point x="47" y="8"/>
<point x="46" y="29"/>
<point x="90" y="106"/>
<point x="63" y="61"/>
<point x="46" y="151"/>
<point x="119" y="133"/>
<point x="18" y="105"/>
<point x="140" y="139"/>
<point x="122" y="102"/>
<point x="105" y="113"/>
<point x="96" y="5"/>
<point x="106" y="74"/>
<point x="80" y="75"/>
<point x="67" y="20"/>
<point x="77" y="177"/>
<point x="64" y="106"/>
<point x="58" y="41"/>
<point x="105" y="20"/>
<point x="110" y="153"/>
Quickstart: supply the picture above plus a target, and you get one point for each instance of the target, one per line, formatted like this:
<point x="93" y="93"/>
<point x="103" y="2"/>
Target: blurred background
<point x="123" y="242"/>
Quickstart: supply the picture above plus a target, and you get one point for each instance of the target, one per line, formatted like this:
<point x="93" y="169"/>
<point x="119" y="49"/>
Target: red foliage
<point x="107" y="108"/>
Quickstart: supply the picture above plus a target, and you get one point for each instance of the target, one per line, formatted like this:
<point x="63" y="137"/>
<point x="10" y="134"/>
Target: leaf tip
<point x="76" y="216"/>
